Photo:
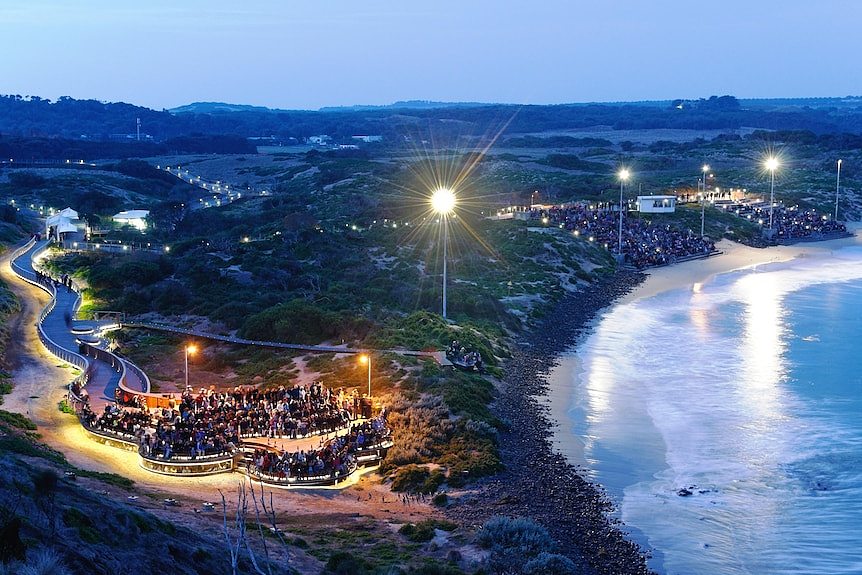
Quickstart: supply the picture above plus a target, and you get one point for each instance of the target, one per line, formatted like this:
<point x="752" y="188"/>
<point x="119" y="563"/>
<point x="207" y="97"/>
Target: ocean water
<point x="746" y="390"/>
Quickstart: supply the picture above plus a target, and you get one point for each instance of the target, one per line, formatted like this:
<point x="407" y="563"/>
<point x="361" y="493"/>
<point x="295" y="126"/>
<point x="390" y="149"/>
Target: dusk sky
<point x="285" y="54"/>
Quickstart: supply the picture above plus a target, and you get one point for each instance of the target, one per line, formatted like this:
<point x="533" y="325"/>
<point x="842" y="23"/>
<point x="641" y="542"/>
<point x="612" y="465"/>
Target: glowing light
<point x="705" y="167"/>
<point x="624" y="174"/>
<point x="363" y="359"/>
<point x="771" y="163"/>
<point x="443" y="201"/>
<point x="191" y="349"/>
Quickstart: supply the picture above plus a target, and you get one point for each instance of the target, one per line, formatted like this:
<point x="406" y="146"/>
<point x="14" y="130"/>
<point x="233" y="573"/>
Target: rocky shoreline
<point x="538" y="482"/>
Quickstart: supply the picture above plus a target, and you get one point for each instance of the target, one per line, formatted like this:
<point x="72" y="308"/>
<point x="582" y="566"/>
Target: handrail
<point x="177" y="464"/>
<point x="53" y="347"/>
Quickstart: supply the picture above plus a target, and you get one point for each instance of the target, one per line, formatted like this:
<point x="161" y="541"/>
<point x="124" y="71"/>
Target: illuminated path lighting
<point x="443" y="203"/>
<point x="623" y="175"/>
<point x="771" y="164"/>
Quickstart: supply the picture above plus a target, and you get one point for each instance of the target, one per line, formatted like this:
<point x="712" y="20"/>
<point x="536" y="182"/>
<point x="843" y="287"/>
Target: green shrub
<point x="440" y="500"/>
<point x="109" y="478"/>
<point x="296" y="321"/>
<point x="64" y="407"/>
<point x="82" y="524"/>
<point x="424" y="530"/>
<point x="416" y="479"/>
<point x="345" y="563"/>
<point x="513" y="543"/>
<point x="551" y="564"/>
<point x="16" y="420"/>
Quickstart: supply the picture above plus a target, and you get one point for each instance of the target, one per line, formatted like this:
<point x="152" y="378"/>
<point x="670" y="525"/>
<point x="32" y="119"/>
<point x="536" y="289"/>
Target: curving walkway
<point x="103" y="373"/>
<point x="438" y="356"/>
<point x="103" y="377"/>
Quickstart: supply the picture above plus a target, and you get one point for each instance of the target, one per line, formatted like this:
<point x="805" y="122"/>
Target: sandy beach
<point x="559" y="396"/>
<point x="561" y="381"/>
<point x="734" y="256"/>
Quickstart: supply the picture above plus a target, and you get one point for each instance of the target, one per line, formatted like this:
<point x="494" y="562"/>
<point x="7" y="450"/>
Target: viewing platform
<point x="106" y="380"/>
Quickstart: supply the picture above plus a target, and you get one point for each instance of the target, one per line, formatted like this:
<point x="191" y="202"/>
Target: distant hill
<point x="219" y="127"/>
<point x="218" y="108"/>
<point x="410" y="105"/>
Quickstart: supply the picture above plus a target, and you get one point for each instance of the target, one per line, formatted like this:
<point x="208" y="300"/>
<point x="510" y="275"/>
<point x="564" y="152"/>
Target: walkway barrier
<point x="366" y="457"/>
<point x="55" y="349"/>
<point x="176" y="464"/>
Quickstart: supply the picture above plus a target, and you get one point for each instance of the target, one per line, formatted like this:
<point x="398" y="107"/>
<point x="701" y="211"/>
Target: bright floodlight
<point x="624" y="174"/>
<point x="771" y="164"/>
<point x="443" y="201"/>
<point x="191" y="349"/>
<point x="706" y="167"/>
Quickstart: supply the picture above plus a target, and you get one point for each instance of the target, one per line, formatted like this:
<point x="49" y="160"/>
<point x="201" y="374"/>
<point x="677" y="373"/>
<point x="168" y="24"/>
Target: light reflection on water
<point x="701" y="388"/>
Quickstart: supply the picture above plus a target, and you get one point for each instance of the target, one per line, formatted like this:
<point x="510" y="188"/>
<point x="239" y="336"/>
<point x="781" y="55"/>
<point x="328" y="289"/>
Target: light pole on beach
<point x="771" y="165"/>
<point x="443" y="202"/>
<point x="623" y="175"/>
<point x="191" y="349"/>
<point x="363" y="359"/>
<point x="837" y="188"/>
<point x="703" y="201"/>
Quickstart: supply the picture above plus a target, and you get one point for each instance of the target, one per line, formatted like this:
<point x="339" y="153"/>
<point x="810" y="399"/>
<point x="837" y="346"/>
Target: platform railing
<point x="176" y="464"/>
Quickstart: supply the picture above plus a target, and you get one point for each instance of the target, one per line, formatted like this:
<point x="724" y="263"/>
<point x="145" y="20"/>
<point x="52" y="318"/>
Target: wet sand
<point x="558" y="397"/>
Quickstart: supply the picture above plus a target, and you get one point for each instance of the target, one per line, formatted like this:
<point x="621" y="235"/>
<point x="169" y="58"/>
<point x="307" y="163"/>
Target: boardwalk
<point x="57" y="326"/>
<point x="438" y="356"/>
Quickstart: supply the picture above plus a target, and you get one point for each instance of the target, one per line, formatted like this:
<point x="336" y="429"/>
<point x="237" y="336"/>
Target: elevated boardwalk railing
<point x="53" y="347"/>
<point x="86" y="356"/>
<point x="437" y="356"/>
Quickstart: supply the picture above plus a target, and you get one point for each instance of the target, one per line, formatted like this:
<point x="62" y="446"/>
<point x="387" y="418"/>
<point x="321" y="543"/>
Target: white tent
<point x="55" y="219"/>
<point x="68" y="213"/>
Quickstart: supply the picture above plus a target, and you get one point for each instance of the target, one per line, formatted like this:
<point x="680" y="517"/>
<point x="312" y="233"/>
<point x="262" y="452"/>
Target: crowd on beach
<point x="791" y="223"/>
<point x="213" y="422"/>
<point x="644" y="244"/>
<point x="333" y="458"/>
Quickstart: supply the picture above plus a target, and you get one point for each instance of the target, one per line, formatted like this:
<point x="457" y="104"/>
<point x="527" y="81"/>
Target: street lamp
<point x="443" y="202"/>
<point x="771" y="165"/>
<point x="703" y="201"/>
<point x="191" y="349"/>
<point x="837" y="187"/>
<point x="363" y="359"/>
<point x="623" y="176"/>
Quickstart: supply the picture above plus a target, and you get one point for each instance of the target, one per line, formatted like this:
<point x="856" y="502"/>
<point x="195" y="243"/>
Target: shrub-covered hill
<point x="51" y="518"/>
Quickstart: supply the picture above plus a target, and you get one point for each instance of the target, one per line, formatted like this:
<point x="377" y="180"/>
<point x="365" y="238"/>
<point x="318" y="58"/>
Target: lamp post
<point x="623" y="176"/>
<point x="363" y="359"/>
<point x="837" y="187"/>
<point x="190" y="350"/>
<point x="703" y="202"/>
<point x="771" y="165"/>
<point x="443" y="202"/>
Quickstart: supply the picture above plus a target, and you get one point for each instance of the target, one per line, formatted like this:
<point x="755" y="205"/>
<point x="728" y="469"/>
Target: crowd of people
<point x="333" y="459"/>
<point x="45" y="279"/>
<point x="458" y="354"/>
<point x="644" y="244"/>
<point x="213" y="422"/>
<point x="791" y="223"/>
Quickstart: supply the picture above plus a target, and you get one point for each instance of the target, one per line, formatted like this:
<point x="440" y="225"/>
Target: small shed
<point x="657" y="204"/>
<point x="135" y="218"/>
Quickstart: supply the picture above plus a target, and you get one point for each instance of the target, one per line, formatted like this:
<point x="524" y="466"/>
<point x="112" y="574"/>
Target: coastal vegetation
<point x="332" y="246"/>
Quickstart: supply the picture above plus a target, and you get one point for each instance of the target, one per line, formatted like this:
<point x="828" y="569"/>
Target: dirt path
<point x="38" y="376"/>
